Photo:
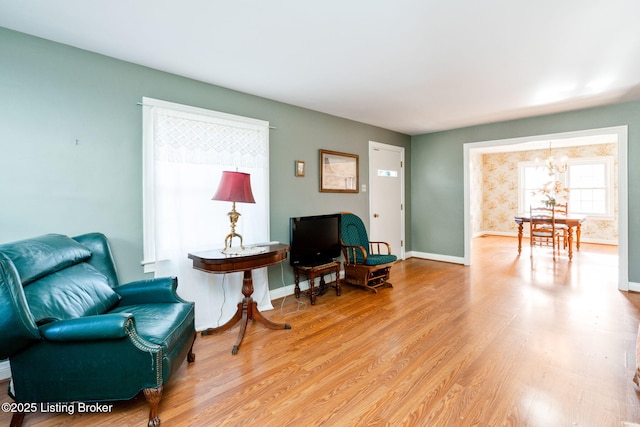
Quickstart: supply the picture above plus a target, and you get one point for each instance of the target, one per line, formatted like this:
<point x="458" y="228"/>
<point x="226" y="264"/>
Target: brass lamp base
<point x="228" y="249"/>
<point x="233" y="218"/>
<point x="228" y="239"/>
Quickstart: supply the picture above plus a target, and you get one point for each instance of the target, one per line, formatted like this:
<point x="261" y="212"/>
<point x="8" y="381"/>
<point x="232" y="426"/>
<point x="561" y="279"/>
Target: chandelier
<point x="553" y="166"/>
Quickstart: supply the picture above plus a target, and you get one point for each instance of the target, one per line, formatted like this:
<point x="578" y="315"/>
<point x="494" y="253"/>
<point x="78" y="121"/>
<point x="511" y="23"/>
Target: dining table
<point x="571" y="221"/>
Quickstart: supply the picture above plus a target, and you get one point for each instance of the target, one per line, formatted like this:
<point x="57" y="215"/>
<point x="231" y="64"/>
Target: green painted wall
<point x="70" y="144"/>
<point x="437" y="173"/>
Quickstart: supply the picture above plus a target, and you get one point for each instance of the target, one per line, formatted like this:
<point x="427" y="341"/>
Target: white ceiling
<point x="413" y="66"/>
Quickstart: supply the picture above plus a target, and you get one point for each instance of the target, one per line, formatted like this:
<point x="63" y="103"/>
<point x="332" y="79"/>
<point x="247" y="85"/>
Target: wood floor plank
<point x="509" y="341"/>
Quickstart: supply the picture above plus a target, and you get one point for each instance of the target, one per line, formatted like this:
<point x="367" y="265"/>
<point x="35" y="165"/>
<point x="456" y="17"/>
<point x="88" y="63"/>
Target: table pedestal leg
<point x="247" y="309"/>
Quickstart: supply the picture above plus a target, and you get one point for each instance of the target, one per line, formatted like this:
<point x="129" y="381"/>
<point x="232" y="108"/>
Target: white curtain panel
<point x="186" y="151"/>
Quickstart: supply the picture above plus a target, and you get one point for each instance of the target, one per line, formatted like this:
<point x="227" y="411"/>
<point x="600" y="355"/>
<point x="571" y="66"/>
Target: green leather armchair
<point x="72" y="333"/>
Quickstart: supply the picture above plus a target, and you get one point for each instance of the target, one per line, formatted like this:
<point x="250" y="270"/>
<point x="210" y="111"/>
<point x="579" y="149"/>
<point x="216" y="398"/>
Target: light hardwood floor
<point x="508" y="341"/>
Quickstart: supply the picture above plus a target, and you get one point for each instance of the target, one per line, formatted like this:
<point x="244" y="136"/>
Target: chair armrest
<point x="160" y="290"/>
<point x="17" y="324"/>
<point x="351" y="254"/>
<point x="374" y="247"/>
<point x="94" y="328"/>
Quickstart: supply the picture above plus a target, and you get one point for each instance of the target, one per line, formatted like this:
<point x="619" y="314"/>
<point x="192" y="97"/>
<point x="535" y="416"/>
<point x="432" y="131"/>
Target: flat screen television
<point x="314" y="240"/>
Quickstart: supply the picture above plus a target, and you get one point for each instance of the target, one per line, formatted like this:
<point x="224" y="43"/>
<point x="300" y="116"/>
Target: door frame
<point x="623" y="212"/>
<point x="379" y="145"/>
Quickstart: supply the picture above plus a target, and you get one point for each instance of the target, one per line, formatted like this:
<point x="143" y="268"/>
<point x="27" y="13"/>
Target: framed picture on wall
<point x="300" y="168"/>
<point x="338" y="172"/>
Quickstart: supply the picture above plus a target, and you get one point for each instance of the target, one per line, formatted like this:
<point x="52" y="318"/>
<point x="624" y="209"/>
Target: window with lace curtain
<point x="185" y="151"/>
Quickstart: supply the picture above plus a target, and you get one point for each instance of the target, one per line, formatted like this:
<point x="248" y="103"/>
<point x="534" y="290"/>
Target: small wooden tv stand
<point x="313" y="272"/>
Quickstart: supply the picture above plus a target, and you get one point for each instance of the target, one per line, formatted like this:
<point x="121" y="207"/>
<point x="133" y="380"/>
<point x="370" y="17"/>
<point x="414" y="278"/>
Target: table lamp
<point x="234" y="187"/>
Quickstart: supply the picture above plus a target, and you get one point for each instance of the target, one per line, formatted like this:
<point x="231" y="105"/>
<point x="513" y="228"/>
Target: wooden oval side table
<point x="215" y="261"/>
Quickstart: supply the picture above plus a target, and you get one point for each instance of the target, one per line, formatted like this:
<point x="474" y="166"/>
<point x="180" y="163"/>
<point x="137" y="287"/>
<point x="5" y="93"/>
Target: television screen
<point x="315" y="240"/>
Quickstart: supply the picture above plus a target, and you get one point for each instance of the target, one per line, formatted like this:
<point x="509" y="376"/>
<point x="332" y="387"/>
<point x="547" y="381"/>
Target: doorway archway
<point x="620" y="133"/>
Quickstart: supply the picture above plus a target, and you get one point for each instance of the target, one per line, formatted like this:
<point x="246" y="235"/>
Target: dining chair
<point x="543" y="230"/>
<point x="562" y="209"/>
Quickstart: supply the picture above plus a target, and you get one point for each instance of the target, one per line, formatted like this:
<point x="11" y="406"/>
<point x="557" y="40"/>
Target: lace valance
<point x="189" y="138"/>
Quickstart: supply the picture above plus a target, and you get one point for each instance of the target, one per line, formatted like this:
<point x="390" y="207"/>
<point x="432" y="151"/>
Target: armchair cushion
<point x="76" y="291"/>
<point x="354" y="234"/>
<point x="160" y="324"/>
<point x="38" y="257"/>
<point x="158" y="290"/>
<point x="380" y="259"/>
<point x="101" y="257"/>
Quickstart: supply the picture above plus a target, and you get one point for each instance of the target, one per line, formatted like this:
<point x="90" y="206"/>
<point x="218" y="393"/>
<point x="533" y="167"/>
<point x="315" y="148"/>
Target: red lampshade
<point x="235" y="187"/>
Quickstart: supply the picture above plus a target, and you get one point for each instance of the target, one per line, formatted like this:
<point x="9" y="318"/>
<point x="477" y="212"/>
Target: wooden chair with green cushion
<point x="366" y="263"/>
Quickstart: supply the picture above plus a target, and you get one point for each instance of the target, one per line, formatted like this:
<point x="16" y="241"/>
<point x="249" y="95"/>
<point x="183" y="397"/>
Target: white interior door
<point x="386" y="197"/>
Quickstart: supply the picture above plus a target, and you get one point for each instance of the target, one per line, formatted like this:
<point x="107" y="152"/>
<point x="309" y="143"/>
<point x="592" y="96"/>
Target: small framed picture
<point x="300" y="168"/>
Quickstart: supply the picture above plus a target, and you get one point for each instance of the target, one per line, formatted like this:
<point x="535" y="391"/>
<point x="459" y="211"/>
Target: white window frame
<point x="148" y="196"/>
<point x="522" y="206"/>
<point x="608" y="161"/>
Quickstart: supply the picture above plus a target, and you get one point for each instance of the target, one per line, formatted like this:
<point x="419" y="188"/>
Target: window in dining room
<point x="591" y="189"/>
<point x="589" y="180"/>
<point x="532" y="178"/>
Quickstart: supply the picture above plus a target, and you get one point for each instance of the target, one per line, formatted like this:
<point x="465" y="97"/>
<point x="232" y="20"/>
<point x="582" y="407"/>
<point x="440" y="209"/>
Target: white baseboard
<point x="285" y="291"/>
<point x="494" y="233"/>
<point x="635" y="287"/>
<point x="5" y="370"/>
<point x="436" y="257"/>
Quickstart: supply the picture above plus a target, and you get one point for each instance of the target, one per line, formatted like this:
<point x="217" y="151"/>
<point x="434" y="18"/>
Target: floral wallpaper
<point x="494" y="192"/>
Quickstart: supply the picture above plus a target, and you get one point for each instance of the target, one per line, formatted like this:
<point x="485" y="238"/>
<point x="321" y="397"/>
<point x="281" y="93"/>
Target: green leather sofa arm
<point x="151" y="291"/>
<point x="18" y="327"/>
<point x="101" y="327"/>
